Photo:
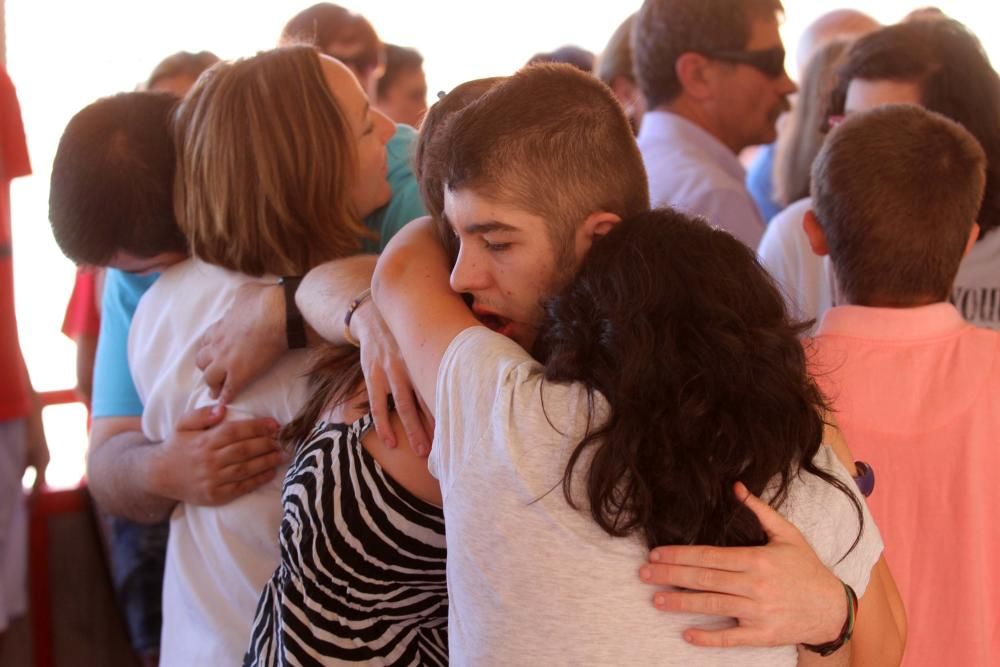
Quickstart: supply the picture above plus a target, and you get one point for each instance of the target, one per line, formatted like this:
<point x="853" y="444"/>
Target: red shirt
<point x="83" y="319"/>
<point x="15" y="397"/>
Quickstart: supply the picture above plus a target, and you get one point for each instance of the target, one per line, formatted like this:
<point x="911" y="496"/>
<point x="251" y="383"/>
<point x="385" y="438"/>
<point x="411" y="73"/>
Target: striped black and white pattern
<point x="362" y="572"/>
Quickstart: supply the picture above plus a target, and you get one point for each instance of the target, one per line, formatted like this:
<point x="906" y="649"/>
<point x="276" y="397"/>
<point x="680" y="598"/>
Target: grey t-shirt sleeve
<point x="829" y="521"/>
<point x="474" y="372"/>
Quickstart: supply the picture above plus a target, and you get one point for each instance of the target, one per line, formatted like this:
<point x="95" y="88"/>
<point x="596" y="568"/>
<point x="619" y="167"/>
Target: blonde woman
<point x="362" y="573"/>
<point x="279" y="158"/>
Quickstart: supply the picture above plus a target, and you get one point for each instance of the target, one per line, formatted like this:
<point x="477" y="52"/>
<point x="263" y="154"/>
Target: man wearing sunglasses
<point x="713" y="75"/>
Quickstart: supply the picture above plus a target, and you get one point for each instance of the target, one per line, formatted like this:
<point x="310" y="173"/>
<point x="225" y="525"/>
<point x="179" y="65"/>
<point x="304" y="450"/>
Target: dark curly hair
<point x="956" y="80"/>
<point x="685" y="335"/>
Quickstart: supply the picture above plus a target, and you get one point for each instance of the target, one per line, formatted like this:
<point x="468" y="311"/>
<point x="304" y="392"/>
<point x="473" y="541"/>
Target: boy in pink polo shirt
<point x="915" y="389"/>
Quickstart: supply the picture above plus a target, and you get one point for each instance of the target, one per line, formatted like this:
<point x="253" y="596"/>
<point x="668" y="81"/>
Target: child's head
<point x="896" y="191"/>
<point x="111" y="195"/>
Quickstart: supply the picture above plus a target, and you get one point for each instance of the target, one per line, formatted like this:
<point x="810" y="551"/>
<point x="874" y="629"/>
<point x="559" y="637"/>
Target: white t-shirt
<point x="218" y="558"/>
<point x="533" y="581"/>
<point x="808" y="280"/>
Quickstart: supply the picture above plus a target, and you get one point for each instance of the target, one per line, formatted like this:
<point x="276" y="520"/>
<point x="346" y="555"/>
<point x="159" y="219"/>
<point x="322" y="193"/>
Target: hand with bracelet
<point x="246" y="341"/>
<point x="386" y="375"/>
<point x="779" y="594"/>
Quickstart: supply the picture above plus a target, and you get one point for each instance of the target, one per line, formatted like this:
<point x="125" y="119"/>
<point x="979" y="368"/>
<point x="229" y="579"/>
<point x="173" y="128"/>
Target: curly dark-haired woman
<point x="671" y="372"/>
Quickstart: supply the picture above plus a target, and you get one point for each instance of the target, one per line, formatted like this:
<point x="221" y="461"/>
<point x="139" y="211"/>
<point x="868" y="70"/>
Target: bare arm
<point x="324" y="297"/>
<point x="118" y="471"/>
<point x="206" y="462"/>
<point x="880" y="629"/>
<point x="411" y="288"/>
<point x="327" y="291"/>
<point x="880" y="632"/>
<point x="251" y="337"/>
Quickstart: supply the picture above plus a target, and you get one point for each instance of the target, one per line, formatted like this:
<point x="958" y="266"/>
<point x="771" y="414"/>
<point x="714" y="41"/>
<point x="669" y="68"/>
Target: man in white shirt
<point x="713" y="75"/>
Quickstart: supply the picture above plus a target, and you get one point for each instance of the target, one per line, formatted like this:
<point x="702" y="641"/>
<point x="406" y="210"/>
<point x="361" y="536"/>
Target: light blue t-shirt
<point x="114" y="391"/>
<point x="760" y="183"/>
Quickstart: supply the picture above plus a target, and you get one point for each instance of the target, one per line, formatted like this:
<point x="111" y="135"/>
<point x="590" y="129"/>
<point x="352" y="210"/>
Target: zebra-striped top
<point x="362" y="572"/>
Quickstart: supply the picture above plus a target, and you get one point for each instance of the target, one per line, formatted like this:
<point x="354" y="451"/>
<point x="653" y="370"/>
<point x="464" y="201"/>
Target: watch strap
<point x="295" y="324"/>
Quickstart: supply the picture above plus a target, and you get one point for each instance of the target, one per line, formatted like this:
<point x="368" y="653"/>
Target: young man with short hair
<point x="896" y="193"/>
<point x="713" y="75"/>
<point x="523" y="232"/>
<point x="402" y="90"/>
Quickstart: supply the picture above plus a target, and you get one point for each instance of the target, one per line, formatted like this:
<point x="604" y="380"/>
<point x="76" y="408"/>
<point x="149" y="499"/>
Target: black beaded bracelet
<point x="829" y="648"/>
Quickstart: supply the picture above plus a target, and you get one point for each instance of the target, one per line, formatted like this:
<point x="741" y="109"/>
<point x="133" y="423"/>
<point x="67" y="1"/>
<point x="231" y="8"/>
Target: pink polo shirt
<point x="917" y="394"/>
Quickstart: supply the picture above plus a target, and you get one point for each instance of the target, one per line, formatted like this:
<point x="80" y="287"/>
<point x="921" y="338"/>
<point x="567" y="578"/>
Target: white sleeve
<point x="828" y="520"/>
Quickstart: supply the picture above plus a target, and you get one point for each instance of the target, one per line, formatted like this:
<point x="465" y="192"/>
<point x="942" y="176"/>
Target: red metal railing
<point x="43" y="506"/>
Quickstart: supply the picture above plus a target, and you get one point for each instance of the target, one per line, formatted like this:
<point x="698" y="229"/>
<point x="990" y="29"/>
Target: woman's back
<point x="220" y="556"/>
<point x="518" y="551"/>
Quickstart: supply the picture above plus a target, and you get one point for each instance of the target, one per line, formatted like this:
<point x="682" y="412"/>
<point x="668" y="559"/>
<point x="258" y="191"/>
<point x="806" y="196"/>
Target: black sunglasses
<point x="770" y="62"/>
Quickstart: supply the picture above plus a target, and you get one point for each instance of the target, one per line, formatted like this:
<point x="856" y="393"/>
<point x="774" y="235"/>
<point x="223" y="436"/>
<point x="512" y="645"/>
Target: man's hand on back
<point x="247" y="341"/>
<point x="780" y="593"/>
<point x="211" y="462"/>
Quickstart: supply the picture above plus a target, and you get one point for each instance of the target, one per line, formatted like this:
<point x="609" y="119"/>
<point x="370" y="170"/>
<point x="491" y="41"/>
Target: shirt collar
<point x="678" y="133"/>
<point x="896" y="324"/>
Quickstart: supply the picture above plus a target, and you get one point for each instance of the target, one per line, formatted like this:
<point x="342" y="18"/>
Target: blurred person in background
<point x="614" y="68"/>
<point x="22" y="437"/>
<point x="138" y="550"/>
<point x="580" y="58"/>
<point x="801" y="135"/>
<point x="941" y="66"/>
<point x="836" y="24"/>
<point x="178" y="72"/>
<point x="402" y="90"/>
<point x="713" y="76"/>
<point x="343" y="34"/>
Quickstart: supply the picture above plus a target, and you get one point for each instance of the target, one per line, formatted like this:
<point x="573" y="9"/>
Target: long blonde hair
<point x="266" y="164"/>
<point x="802" y="135"/>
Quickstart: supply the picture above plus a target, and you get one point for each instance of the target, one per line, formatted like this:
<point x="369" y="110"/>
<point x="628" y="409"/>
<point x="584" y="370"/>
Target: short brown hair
<point x="552" y="141"/>
<point x="266" y="163"/>
<point x="428" y="174"/>
<point x="666" y="29"/>
<point x="325" y="24"/>
<point x="113" y="179"/>
<point x="896" y="191"/>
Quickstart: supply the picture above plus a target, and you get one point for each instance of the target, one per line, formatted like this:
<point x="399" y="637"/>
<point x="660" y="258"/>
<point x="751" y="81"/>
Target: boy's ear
<point x="599" y="224"/>
<point x="814" y="232"/>
<point x="595" y="226"/>
<point x="973" y="237"/>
